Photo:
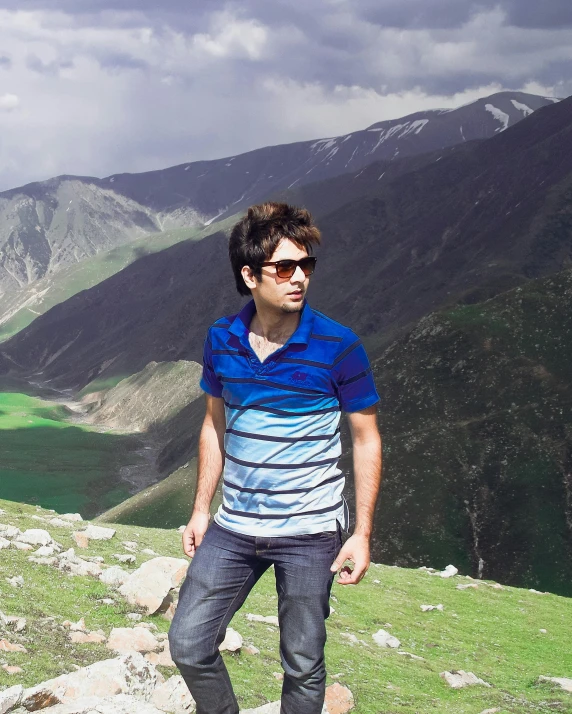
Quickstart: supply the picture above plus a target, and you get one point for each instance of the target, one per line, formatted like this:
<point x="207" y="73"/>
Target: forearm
<point x="210" y="464"/>
<point x="367" y="476"/>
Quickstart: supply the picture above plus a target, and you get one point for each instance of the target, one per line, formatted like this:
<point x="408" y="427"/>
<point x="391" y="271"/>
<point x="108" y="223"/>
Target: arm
<point x="366" y="442"/>
<point x="210" y="463"/>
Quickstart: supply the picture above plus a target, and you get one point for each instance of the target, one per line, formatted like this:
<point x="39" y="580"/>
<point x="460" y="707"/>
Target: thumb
<point x="338" y="562"/>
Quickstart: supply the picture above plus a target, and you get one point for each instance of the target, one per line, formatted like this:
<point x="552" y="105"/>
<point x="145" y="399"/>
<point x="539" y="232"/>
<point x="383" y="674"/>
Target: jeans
<point x="223" y="571"/>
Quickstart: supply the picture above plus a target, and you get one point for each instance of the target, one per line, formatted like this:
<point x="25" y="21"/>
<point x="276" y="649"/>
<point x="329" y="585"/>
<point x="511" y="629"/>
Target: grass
<point x="493" y="633"/>
<point x="46" y="460"/>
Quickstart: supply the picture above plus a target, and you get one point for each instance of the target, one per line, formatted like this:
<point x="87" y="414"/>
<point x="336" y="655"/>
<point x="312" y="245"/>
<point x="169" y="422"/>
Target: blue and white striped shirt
<point x="282" y="440"/>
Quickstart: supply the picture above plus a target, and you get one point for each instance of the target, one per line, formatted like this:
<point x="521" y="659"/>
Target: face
<point x="283" y="294"/>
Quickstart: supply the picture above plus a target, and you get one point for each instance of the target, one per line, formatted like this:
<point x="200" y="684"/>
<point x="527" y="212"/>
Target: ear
<point x="248" y="277"/>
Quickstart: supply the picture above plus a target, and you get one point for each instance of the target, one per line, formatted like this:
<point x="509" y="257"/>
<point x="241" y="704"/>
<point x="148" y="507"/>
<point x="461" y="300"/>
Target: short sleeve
<point x="209" y="381"/>
<point x="353" y="378"/>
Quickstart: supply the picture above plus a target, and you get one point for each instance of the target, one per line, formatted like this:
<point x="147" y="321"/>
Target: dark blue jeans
<point x="225" y="568"/>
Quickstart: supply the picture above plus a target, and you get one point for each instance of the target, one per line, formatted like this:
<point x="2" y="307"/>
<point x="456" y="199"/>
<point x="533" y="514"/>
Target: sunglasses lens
<point x="307" y="265"/>
<point x="287" y="268"/>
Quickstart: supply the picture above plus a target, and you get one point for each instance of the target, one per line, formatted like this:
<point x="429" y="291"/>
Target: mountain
<point x="46" y="226"/>
<point x="477" y="220"/>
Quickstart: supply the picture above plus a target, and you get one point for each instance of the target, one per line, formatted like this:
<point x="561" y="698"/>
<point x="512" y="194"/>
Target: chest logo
<point x="299" y="377"/>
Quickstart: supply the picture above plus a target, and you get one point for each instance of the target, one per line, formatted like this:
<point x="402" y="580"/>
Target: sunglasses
<point x="287" y="268"/>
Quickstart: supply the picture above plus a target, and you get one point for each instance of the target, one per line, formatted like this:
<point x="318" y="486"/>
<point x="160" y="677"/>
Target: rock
<point x="130" y="544"/>
<point x="82" y="541"/>
<point x="251" y="650"/>
<point x="59" y="523"/>
<point x="174" y="697"/>
<point x="18" y="624"/>
<point x="114" y="576"/>
<point x="118" y="704"/>
<point x="124" y="558"/>
<point x="78" y="626"/>
<point x="11" y="669"/>
<point x="127" y="639"/>
<point x="45" y="551"/>
<point x="232" y="641"/>
<point x="490" y="711"/>
<point x="4" y="543"/>
<point x="10" y="698"/>
<point x="270" y="619"/>
<point x="272" y="708"/>
<point x="457" y="679"/>
<point x="128" y="674"/>
<point x="409" y="655"/>
<point x="6" y="646"/>
<point x="21" y="546"/>
<point x="80" y="638"/>
<point x="542" y="630"/>
<point x="148" y="551"/>
<point x="564" y="683"/>
<point x="278" y="675"/>
<point x="74" y="517"/>
<point x="339" y="700"/>
<point x="150" y="584"/>
<point x="107" y="601"/>
<point x="42" y="561"/>
<point x="169" y="613"/>
<point x="162" y="658"/>
<point x="428" y="608"/>
<point x="98" y="532"/>
<point x="9" y="532"/>
<point x="449" y="572"/>
<point x="147" y="625"/>
<point x="70" y="563"/>
<point x="16" y="582"/>
<point x="537" y="592"/>
<point x="466" y="586"/>
<point x="35" y="536"/>
<point x="135" y="616"/>
<point x="384" y="639"/>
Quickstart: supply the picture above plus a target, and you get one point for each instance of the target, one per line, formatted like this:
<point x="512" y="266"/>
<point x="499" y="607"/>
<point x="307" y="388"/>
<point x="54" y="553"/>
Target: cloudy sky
<point x="96" y="88"/>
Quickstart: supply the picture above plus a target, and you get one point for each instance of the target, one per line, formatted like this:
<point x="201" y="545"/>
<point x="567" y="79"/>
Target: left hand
<point x="355" y="549"/>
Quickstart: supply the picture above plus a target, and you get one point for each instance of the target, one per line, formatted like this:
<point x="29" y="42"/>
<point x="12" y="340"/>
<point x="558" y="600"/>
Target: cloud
<point x="110" y="86"/>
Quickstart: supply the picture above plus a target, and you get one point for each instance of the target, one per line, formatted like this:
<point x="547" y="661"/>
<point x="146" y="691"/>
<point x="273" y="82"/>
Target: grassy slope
<point x="493" y="633"/>
<point x="46" y="460"/>
<point x="54" y="289"/>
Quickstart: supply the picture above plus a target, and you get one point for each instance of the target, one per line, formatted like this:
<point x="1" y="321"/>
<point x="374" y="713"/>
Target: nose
<point x="299" y="275"/>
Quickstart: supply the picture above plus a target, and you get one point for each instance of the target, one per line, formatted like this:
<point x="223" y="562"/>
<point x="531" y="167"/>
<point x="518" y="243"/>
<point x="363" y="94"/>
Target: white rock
<point x="21" y="546"/>
<point x="384" y="639"/>
<point x="457" y="679"/>
<point x="409" y="655"/>
<point x="130" y="544"/>
<point x="270" y="619"/>
<point x="564" y="683"/>
<point x="272" y="708"/>
<point x="44" y="551"/>
<point x="232" y="641"/>
<point x="35" y="536"/>
<point x="16" y="582"/>
<point x="542" y="630"/>
<point x="73" y="517"/>
<point x="10" y="698"/>
<point x="428" y="608"/>
<point x="98" y="532"/>
<point x="59" y="523"/>
<point x="118" y="704"/>
<point x="4" y="543"/>
<point x="70" y="563"/>
<point x="449" y="572"/>
<point x="137" y="639"/>
<point x="114" y="576"/>
<point x="148" y="551"/>
<point x="135" y="616"/>
<point x="466" y="586"/>
<point x="150" y="584"/>
<point x="123" y="558"/>
<point x="174" y="697"/>
<point x="9" y="531"/>
<point x="537" y="592"/>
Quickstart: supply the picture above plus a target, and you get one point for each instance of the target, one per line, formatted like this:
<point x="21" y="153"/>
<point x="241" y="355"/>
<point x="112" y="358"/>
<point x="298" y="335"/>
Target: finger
<point x="341" y="558"/>
<point x="356" y="574"/>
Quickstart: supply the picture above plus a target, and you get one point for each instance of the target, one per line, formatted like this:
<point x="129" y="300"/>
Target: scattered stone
<point x="21" y="546"/>
<point x="564" y="683"/>
<point x="16" y="582"/>
<point x="9" y="531"/>
<point x="449" y="572"/>
<point x="174" y="697"/>
<point x="35" y="536"/>
<point x="409" y="655"/>
<point x="82" y="541"/>
<point x="10" y="698"/>
<point x="542" y="630"/>
<point x="45" y="551"/>
<point x="59" y="523"/>
<point x="162" y="658"/>
<point x="135" y="616"/>
<point x="278" y="675"/>
<point x="148" y="626"/>
<point x="251" y="650"/>
<point x="270" y="619"/>
<point x="72" y="564"/>
<point x="377" y="582"/>
<point x="6" y="646"/>
<point x="42" y="561"/>
<point x="114" y="576"/>
<point x="150" y="584"/>
<point x="384" y="639"/>
<point x="537" y="592"/>
<point x="12" y="669"/>
<point x="130" y="544"/>
<point x="169" y="613"/>
<point x="74" y="517"/>
<point x="491" y="711"/>
<point x="426" y="569"/>
<point x="148" y="551"/>
<point x="339" y="700"/>
<point x="429" y="608"/>
<point x="123" y="558"/>
<point x="127" y="639"/>
<point x="457" y="679"/>
<point x="78" y="626"/>
<point x="4" y="543"/>
<point x="466" y="586"/>
<point x="107" y="601"/>
<point x="99" y="532"/>
<point x="118" y="704"/>
<point x="232" y="641"/>
<point x="80" y="638"/>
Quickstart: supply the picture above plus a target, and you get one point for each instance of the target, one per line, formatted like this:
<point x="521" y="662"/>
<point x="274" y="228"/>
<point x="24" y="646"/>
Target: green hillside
<point x="496" y="633"/>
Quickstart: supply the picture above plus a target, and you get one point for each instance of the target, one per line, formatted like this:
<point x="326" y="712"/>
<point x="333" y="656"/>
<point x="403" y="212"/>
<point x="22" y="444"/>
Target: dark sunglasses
<point x="287" y="268"/>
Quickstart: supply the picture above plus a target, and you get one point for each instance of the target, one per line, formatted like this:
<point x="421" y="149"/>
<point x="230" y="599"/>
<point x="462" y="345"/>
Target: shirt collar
<point x="240" y="324"/>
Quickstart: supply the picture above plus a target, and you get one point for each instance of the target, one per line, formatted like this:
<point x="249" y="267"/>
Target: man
<point x="276" y="377"/>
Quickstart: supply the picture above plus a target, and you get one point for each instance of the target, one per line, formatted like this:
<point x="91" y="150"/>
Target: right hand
<point x="194" y="533"/>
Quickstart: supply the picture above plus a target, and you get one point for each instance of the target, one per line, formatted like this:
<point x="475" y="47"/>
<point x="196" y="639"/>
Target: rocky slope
<point x="48" y="225"/>
<point x="83" y="629"/>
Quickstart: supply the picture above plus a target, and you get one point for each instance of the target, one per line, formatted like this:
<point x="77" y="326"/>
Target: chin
<point x="292" y="307"/>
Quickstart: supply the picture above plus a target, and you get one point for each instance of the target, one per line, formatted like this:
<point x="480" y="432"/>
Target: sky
<point x="96" y="88"/>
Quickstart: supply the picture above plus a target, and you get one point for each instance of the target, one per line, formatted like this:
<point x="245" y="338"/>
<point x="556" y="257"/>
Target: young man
<point x="276" y="377"/>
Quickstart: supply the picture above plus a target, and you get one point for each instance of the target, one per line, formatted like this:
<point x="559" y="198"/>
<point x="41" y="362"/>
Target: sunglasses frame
<point x="295" y="263"/>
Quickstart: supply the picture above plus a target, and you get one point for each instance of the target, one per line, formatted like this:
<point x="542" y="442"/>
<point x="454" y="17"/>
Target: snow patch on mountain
<point x="522" y="107"/>
<point x="499" y="115"/>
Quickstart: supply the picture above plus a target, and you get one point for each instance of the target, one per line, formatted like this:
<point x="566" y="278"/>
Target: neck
<point x="270" y="323"/>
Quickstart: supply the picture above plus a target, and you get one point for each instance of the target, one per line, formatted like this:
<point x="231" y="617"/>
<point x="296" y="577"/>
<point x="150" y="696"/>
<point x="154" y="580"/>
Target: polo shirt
<point x="282" y="439"/>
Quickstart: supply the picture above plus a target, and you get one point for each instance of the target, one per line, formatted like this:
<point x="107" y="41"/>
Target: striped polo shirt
<point x="282" y="439"/>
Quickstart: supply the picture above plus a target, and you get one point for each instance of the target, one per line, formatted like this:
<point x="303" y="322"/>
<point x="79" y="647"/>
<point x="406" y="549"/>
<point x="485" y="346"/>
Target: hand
<point x="194" y="533"/>
<point x="356" y="549"/>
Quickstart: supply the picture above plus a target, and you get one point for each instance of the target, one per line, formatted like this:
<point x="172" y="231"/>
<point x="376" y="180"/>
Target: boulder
<point x="129" y="674"/>
<point x="136" y="639"/>
<point x="16" y="582"/>
<point x="339" y="699"/>
<point x="149" y="585"/>
<point x="4" y="543"/>
<point x="59" y="523"/>
<point x="72" y="564"/>
<point x="118" y="704"/>
<point x="114" y="576"/>
<point x="124" y="557"/>
<point x="81" y="638"/>
<point x="232" y="641"/>
<point x="563" y="682"/>
<point x="7" y="531"/>
<point x="272" y="708"/>
<point x="457" y="679"/>
<point x="98" y="532"/>
<point x="162" y="658"/>
<point x="21" y="546"/>
<point x="74" y="517"/>
<point x="35" y="536"/>
<point x="10" y="698"/>
<point x="428" y="608"/>
<point x="6" y="646"/>
<point x="174" y="697"/>
<point x="12" y="669"/>
<point x="449" y="572"/>
<point x="81" y="540"/>
<point x="384" y="639"/>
